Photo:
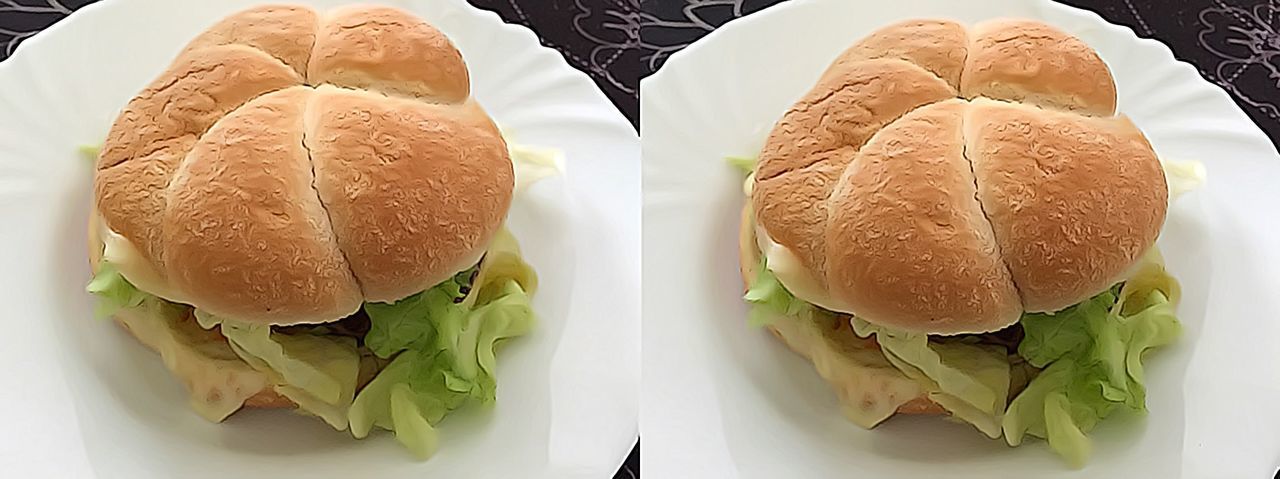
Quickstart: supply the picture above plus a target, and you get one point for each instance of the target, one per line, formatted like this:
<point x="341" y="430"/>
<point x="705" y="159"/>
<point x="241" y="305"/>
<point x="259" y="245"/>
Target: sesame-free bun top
<point x="290" y="165"/>
<point x="944" y="179"/>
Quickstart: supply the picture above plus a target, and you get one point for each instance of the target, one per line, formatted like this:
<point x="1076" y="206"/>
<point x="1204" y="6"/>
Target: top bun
<point x="944" y="180"/>
<point x="289" y="166"/>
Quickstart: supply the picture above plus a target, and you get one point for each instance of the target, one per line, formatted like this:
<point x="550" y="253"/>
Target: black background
<point x="1234" y="43"/>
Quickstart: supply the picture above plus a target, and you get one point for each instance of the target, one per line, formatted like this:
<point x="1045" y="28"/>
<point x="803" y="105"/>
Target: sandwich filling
<point x="1051" y="375"/>
<point x="399" y="366"/>
<point x="416" y="360"/>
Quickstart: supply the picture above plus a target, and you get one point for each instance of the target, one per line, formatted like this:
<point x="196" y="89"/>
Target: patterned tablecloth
<point x="1234" y="43"/>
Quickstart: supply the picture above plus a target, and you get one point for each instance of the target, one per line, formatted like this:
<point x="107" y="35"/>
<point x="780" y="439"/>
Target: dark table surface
<point x="1234" y="43"/>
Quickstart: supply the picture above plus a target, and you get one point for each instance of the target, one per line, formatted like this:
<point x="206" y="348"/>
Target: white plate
<point x="721" y="399"/>
<point x="83" y="399"/>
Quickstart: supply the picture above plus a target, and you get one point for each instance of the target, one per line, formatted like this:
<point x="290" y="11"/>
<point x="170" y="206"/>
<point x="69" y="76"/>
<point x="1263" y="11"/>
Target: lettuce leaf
<point x="745" y="164"/>
<point x="1092" y="359"/>
<point x="89" y="152"/>
<point x="398" y="326"/>
<point x="317" y="372"/>
<point x="445" y="358"/>
<point x="1088" y="357"/>
<point x="442" y="344"/>
<point x="748" y="167"/>
<point x="969" y="380"/>
<point x="770" y="299"/>
<point x="114" y="291"/>
<point x="1182" y="176"/>
<point x="217" y="379"/>
<point x="533" y="163"/>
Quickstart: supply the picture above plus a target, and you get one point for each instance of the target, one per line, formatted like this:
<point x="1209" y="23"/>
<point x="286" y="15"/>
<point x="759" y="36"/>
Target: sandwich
<point x="954" y="221"/>
<point x="306" y="211"/>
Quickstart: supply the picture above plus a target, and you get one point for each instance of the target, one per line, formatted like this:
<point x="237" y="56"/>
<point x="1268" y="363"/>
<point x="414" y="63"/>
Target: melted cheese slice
<point x="218" y="381"/>
<point x="122" y="253"/>
<point x="870" y="389"/>
<point x="799" y="280"/>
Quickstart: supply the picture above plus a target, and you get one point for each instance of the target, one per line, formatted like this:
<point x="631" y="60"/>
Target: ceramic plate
<point x="723" y="399"/>
<point x="84" y="399"/>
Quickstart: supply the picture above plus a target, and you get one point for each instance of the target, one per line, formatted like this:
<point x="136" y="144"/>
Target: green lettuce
<point x="441" y="344"/>
<point x="1079" y="365"/>
<point x="1092" y="359"/>
<point x="745" y="164"/>
<point x="316" y="372"/>
<point x="969" y="380"/>
<point x="533" y="163"/>
<point x="1088" y="358"/>
<point x="1182" y="176"/>
<point x="442" y="341"/>
<point x="398" y="326"/>
<point x="770" y="299"/>
<point x="89" y="152"/>
<point x="114" y="291"/>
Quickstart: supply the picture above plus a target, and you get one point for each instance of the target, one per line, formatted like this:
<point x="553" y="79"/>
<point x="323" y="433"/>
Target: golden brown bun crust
<point x="210" y="174"/>
<point x="908" y="243"/>
<point x="939" y="46"/>
<point x="159" y="126"/>
<point x="1029" y="61"/>
<point x="261" y="239"/>
<point x="287" y="33"/>
<point x="851" y="103"/>
<point x="386" y="50"/>
<point x="1063" y="237"/>
<point x="816" y="139"/>
<point x="871" y="184"/>
<point x="749" y="259"/>
<point x="398" y="199"/>
<point x="266" y="398"/>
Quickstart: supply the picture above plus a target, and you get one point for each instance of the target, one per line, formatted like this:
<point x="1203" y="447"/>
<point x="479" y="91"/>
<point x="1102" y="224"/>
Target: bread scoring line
<point x="856" y="148"/>
<point x="306" y="67"/>
<point x="328" y="217"/>
<point x="151" y="93"/>
<point x="982" y="208"/>
<point x="973" y="171"/>
<point x="186" y="156"/>
<point x="426" y="99"/>
<point x="846" y="85"/>
<point x="823" y="157"/>
<point x="423" y="100"/>
<point x="806" y="105"/>
<point x="803" y="105"/>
